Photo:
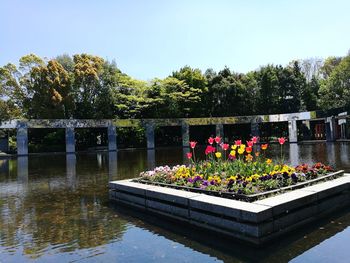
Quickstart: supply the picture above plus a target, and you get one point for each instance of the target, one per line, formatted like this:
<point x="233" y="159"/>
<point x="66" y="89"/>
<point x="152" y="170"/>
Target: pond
<point x="55" y="208"/>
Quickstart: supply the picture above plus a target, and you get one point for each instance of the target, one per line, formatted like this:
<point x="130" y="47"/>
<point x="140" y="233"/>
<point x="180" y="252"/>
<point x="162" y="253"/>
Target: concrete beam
<point x="70" y="140"/>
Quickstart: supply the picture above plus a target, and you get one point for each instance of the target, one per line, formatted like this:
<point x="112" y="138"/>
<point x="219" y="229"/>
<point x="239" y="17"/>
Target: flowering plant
<point x="238" y="168"/>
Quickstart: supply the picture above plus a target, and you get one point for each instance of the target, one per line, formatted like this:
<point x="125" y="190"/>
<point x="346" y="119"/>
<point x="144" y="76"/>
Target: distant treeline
<point x="86" y="86"/>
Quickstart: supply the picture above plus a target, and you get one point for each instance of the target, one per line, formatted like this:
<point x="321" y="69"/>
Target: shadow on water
<point x="229" y="250"/>
<point x="56" y="208"/>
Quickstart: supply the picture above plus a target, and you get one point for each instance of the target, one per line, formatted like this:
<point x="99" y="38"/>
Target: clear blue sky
<point x="151" y="38"/>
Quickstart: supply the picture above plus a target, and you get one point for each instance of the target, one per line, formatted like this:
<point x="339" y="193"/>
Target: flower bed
<point x="239" y="171"/>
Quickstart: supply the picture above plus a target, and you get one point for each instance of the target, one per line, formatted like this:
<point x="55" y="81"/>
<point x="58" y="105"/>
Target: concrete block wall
<point x="255" y="222"/>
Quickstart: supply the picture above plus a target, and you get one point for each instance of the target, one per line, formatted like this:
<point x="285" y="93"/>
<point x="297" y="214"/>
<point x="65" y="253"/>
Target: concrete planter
<point x="256" y="222"/>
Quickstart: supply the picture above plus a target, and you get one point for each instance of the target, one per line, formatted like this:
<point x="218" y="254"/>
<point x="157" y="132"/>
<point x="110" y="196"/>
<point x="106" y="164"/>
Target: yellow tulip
<point x="268" y="161"/>
<point x="240" y="151"/>
<point x="233" y="153"/>
<point x="218" y="154"/>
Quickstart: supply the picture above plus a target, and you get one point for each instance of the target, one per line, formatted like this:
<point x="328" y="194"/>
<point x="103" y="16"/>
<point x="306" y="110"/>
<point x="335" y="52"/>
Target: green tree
<point x="335" y="91"/>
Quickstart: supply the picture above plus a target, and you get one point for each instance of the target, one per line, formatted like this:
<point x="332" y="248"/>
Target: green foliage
<point x="87" y="86"/>
<point x="335" y="91"/>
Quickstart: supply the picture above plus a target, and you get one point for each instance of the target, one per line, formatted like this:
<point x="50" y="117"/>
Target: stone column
<point x="71" y="173"/>
<point x="112" y="138"/>
<point x="22" y="139"/>
<point x="150" y="135"/>
<point x="330" y="129"/>
<point x="306" y="130"/>
<point x="294" y="154"/>
<point x="70" y="140"/>
<point x="293" y="131"/>
<point x="220" y="130"/>
<point x="185" y="130"/>
<point x="254" y="129"/>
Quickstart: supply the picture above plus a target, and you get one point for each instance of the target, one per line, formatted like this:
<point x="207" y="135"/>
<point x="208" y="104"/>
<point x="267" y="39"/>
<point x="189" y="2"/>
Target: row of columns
<point x="22" y="135"/>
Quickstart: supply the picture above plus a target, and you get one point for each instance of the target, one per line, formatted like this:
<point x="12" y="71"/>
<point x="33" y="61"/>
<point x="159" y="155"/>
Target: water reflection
<point x="54" y="205"/>
<point x="71" y="162"/>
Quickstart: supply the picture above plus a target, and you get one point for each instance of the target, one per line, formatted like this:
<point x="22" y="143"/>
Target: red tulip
<point x="217" y="139"/>
<point x="211" y="140"/>
<point x="249" y="149"/>
<point x="250" y="143"/>
<point x="225" y="146"/>
<point x="189" y="155"/>
<point x="238" y="142"/>
<point x="209" y="149"/>
<point x="193" y="144"/>
<point x="255" y="139"/>
<point x="281" y="140"/>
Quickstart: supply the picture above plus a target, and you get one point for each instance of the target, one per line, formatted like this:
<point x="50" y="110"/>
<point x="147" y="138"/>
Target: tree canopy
<point x="88" y="86"/>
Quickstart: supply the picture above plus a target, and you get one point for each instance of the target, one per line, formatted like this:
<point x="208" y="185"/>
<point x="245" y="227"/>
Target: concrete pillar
<point x="293" y="131"/>
<point x="151" y="159"/>
<point x="343" y="130"/>
<point x="70" y="140"/>
<point x="185" y="130"/>
<point x="254" y="129"/>
<point x="112" y="138"/>
<point x="220" y="130"/>
<point x="22" y="139"/>
<point x="330" y="129"/>
<point x="306" y="130"/>
<point x="150" y="135"/>
<point x="294" y="154"/>
<point x="71" y="163"/>
<point x="112" y="165"/>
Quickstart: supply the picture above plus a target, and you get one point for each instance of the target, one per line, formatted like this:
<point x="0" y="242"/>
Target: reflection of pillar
<point x="70" y="140"/>
<point x="71" y="173"/>
<point x="150" y="135"/>
<point x="294" y="154"/>
<point x="112" y="165"/>
<point x="292" y="131"/>
<point x="219" y="130"/>
<point x="112" y="138"/>
<point x="151" y="159"/>
<point x="343" y="130"/>
<point x="22" y="169"/>
<point x="331" y="154"/>
<point x="185" y="130"/>
<point x="330" y="129"/>
<point x="254" y="129"/>
<point x="22" y="138"/>
<point x="344" y="156"/>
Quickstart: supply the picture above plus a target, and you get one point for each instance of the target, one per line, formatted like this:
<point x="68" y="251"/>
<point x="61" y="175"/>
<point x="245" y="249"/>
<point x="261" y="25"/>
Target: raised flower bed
<point x="237" y="171"/>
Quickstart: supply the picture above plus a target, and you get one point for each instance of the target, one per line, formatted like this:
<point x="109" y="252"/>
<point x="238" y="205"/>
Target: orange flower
<point x="268" y="161"/>
<point x="264" y="146"/>
<point x="248" y="149"/>
<point x="249" y="158"/>
<point x="257" y="154"/>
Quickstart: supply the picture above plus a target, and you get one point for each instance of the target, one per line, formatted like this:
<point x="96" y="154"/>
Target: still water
<point x="55" y="208"/>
